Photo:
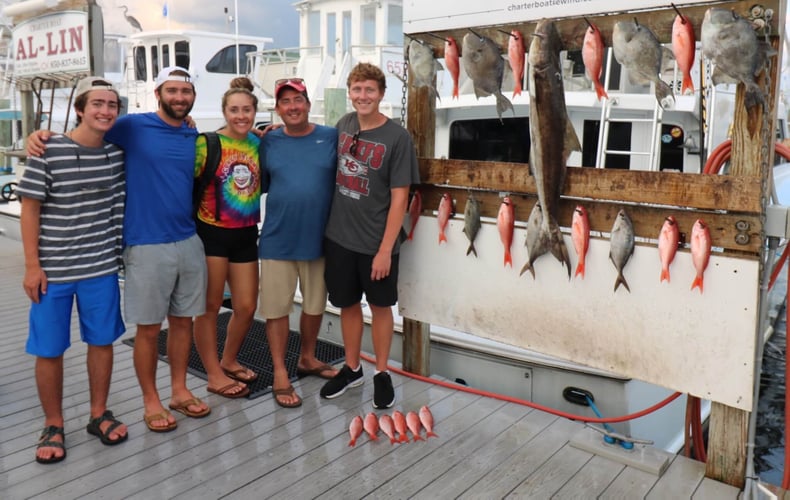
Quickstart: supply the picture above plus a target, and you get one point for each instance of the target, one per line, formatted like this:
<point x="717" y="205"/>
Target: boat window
<point x="165" y="55"/>
<point x="140" y="68"/>
<point x="368" y="24"/>
<point x="314" y="32"/>
<point x="182" y="54"/>
<point x="112" y="56"/>
<point x="395" y="25"/>
<point x="490" y="140"/>
<point x="224" y="61"/>
<point x="619" y="140"/>
<point x="346" y="39"/>
<point x="154" y="60"/>
<point x="331" y="34"/>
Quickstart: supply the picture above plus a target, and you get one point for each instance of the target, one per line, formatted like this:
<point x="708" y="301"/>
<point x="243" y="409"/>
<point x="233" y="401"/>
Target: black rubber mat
<point x="254" y="354"/>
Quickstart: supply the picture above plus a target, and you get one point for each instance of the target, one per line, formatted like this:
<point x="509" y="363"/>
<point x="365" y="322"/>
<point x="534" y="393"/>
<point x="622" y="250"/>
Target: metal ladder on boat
<point x="606" y="119"/>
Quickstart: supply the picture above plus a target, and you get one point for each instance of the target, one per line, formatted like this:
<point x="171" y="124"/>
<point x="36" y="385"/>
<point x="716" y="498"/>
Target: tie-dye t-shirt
<point x="239" y="176"/>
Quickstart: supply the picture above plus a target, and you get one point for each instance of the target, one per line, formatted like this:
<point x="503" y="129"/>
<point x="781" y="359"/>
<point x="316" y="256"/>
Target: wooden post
<point x="727" y="444"/>
<point x="421" y="125"/>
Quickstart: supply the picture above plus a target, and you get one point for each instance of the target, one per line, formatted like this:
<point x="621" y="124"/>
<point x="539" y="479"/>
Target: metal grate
<point x="254" y="354"/>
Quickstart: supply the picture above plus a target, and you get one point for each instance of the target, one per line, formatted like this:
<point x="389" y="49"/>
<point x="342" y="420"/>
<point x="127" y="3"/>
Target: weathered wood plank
<point x="696" y="191"/>
<point x="726" y="444"/>
<point x="630" y="483"/>
<point x="552" y="475"/>
<point x="464" y="474"/>
<point x="680" y="480"/>
<point x="593" y="478"/>
<point x="714" y="490"/>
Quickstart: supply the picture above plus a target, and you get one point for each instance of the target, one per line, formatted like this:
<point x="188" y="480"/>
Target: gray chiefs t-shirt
<point x="383" y="159"/>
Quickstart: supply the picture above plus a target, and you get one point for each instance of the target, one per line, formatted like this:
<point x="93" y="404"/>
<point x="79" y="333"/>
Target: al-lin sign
<point x="53" y="43"/>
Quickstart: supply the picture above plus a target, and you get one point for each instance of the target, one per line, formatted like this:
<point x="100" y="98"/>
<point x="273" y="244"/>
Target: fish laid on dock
<point x="622" y="246"/>
<point x="484" y="65"/>
<point x="552" y="137"/>
<point x="387" y="425"/>
<point x="426" y="419"/>
<point x="423" y="66"/>
<point x="638" y="50"/>
<point x="371" y="426"/>
<point x="413" y="423"/>
<point x="731" y="44"/>
<point x="355" y="430"/>
<point x="400" y="426"/>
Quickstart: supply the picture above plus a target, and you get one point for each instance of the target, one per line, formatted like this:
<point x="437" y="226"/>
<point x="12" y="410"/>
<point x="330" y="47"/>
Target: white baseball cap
<point x="92" y="83"/>
<point x="166" y="75"/>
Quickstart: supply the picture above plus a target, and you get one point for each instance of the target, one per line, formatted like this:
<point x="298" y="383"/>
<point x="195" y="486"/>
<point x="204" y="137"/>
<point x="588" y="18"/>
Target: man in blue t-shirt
<point x="298" y="165"/>
<point x="163" y="256"/>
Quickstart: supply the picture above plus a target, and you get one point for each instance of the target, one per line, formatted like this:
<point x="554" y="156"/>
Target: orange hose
<point x="786" y="475"/>
<point x="509" y="399"/>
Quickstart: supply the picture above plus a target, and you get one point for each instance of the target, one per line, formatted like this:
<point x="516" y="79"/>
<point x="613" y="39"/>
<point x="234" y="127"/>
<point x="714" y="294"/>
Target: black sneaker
<point x="383" y="393"/>
<point x="344" y="379"/>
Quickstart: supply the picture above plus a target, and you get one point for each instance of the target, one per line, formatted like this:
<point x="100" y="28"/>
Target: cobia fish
<point x="533" y="238"/>
<point x="400" y="426"/>
<point x="453" y="62"/>
<point x="371" y="426"/>
<point x="388" y="426"/>
<point x="552" y="137"/>
<point x="426" y="419"/>
<point x="592" y="55"/>
<point x="484" y="65"/>
<point x="471" y="222"/>
<point x="443" y="217"/>
<point x="423" y="66"/>
<point x="505" y="222"/>
<point x="637" y="48"/>
<point x="700" y="251"/>
<point x="355" y="430"/>
<point x="580" y="234"/>
<point x="413" y="423"/>
<point x="415" y="208"/>
<point x="622" y="246"/>
<point x="684" y="48"/>
<point x="668" y="240"/>
<point x="731" y="44"/>
<point x="515" y="53"/>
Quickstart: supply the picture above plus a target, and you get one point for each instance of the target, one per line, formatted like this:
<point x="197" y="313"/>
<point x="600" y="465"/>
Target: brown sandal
<point x="288" y="391"/>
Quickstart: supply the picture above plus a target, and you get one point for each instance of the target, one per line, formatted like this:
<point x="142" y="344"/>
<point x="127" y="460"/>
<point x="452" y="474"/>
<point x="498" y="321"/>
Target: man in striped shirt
<point x="71" y="222"/>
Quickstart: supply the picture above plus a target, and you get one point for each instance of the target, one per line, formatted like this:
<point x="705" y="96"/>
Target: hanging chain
<point x="403" y="91"/>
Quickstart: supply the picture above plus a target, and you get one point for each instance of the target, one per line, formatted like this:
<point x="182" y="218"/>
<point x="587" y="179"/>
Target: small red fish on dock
<point x="683" y="48"/>
<point x="592" y="55"/>
<point x="371" y="426"/>
<point x="505" y="222"/>
<point x="700" y="251"/>
<point x="445" y="212"/>
<point x="453" y="62"/>
<point x="413" y="423"/>
<point x="580" y="234"/>
<point x="400" y="426"/>
<point x="515" y="53"/>
<point x="426" y="419"/>
<point x="388" y="426"/>
<point x="668" y="240"/>
<point x="355" y="430"/>
<point x="415" y="208"/>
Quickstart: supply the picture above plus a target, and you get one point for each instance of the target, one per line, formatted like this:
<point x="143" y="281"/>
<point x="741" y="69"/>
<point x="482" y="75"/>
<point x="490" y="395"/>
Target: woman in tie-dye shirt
<point x="227" y="222"/>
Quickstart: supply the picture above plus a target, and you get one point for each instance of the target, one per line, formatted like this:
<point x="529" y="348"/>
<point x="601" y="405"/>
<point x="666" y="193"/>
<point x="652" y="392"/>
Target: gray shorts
<point x="164" y="279"/>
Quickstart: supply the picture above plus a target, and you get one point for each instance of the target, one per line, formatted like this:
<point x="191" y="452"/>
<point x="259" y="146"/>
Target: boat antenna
<point x="130" y="19"/>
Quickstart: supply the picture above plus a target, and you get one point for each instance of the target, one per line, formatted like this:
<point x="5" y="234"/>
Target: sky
<point x="277" y="19"/>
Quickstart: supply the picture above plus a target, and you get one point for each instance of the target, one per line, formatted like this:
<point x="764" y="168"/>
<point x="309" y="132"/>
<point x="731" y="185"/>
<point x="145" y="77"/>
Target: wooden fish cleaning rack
<point x="734" y="205"/>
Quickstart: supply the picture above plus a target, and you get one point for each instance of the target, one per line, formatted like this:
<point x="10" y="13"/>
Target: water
<point x="770" y="438"/>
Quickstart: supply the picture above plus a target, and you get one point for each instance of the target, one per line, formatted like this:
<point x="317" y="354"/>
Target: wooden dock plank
<point x="680" y="480"/>
<point x="714" y="490"/>
<point x="591" y="480"/>
<point x="501" y="480"/>
<point x="630" y="483"/>
<point x="552" y="475"/>
<point x="465" y="473"/>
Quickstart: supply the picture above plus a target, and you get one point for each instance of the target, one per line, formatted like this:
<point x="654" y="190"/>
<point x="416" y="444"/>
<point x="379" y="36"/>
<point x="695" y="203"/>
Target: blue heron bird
<point x="132" y="21"/>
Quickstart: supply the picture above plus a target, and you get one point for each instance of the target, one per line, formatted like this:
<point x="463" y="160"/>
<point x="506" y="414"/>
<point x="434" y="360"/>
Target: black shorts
<point x="347" y="276"/>
<point x="238" y="245"/>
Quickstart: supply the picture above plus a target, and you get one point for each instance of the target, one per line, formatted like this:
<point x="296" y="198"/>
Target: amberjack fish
<point x="483" y="63"/>
<point x="592" y="55"/>
<point x="471" y="222"/>
<point x="637" y="48"/>
<point x="552" y="137"/>
<point x="731" y="44"/>
<point x="423" y="66"/>
<point x="622" y="246"/>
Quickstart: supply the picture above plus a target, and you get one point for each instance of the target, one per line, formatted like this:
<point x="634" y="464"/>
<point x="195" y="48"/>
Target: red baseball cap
<point x="296" y="84"/>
